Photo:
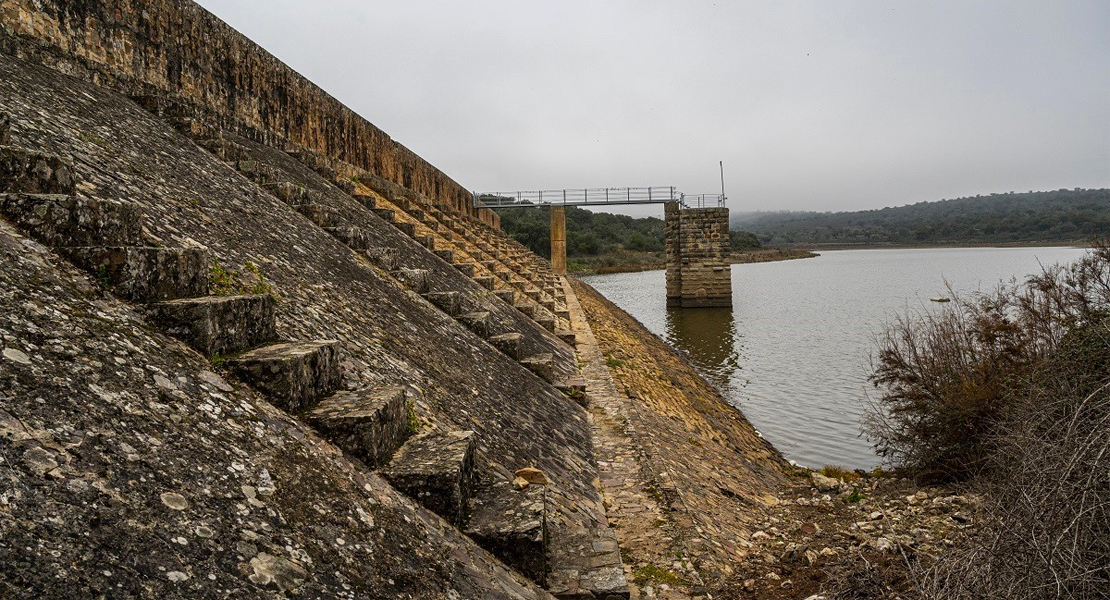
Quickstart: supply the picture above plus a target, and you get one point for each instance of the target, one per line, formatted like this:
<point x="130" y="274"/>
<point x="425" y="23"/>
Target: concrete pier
<point x="698" y="270"/>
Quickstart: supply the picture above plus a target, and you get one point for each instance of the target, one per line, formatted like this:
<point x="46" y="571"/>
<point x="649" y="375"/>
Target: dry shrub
<point x="948" y="377"/>
<point x="1029" y="366"/>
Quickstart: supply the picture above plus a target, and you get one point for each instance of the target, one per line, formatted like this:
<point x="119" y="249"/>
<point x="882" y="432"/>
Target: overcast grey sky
<point x="816" y="105"/>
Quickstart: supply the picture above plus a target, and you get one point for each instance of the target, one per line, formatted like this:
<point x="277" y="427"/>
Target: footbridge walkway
<point x="695" y="234"/>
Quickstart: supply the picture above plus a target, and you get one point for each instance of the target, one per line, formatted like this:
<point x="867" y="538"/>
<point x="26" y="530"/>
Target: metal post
<point x="722" y="202"/>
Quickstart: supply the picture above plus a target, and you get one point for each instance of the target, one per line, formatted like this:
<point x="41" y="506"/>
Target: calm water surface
<point x="794" y="351"/>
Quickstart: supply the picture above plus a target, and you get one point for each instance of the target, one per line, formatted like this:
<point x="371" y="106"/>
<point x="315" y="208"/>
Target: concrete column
<point x="698" y="270"/>
<point x="559" y="240"/>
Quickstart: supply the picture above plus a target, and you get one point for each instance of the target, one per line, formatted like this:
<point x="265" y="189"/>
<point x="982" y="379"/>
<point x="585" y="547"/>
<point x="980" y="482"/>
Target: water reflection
<point x="708" y="336"/>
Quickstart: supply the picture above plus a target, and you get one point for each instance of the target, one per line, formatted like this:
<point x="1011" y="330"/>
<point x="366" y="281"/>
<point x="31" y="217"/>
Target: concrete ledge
<point x="58" y="220"/>
<point x="144" y="274"/>
<point x="295" y="375"/>
<point x="508" y="343"/>
<point x="437" y="470"/>
<point x="368" y="424"/>
<point x="33" y="173"/>
<point x="218" y="324"/>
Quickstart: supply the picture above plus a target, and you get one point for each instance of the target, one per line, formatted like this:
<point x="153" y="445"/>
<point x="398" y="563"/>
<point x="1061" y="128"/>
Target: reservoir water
<point x="794" y="351"/>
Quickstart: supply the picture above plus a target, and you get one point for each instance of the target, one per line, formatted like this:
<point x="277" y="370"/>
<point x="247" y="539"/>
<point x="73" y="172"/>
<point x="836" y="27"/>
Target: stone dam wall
<point x="177" y="49"/>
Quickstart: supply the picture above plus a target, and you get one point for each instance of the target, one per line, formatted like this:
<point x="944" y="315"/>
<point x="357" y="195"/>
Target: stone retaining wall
<point x="178" y="49"/>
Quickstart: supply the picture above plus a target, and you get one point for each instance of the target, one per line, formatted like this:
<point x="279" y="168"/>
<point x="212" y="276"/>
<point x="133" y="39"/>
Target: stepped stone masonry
<point x="698" y="270"/>
<point x="295" y="375"/>
<point x="218" y="324"/>
<point x="368" y="424"/>
<point x="437" y="469"/>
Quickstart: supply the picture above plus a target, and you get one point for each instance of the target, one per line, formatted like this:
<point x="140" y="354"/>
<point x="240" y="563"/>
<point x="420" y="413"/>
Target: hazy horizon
<point x="810" y="105"/>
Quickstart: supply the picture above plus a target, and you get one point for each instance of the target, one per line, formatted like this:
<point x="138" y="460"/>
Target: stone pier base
<point x="698" y="270"/>
<point x="559" y="240"/>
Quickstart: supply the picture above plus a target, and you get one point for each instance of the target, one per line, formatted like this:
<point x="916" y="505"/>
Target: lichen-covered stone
<point x="528" y="310"/>
<point x="60" y="220"/>
<point x="145" y="274"/>
<point x="295" y="375"/>
<point x="355" y="238"/>
<point x="509" y="523"/>
<point x="383" y="258"/>
<point x="33" y="173"/>
<point x="437" y="470"/>
<point x="586" y="563"/>
<point x="414" y="279"/>
<point x="446" y="254"/>
<point x="485" y="281"/>
<point x="408" y="229"/>
<point x="508" y="343"/>
<point x="575" y="389"/>
<point x="385" y="214"/>
<point x="369" y="424"/>
<point x="218" y="324"/>
<point x="542" y="365"/>
<point x="478" y="322"/>
<point x="465" y="268"/>
<point x="545" y="320"/>
<point x="319" y="214"/>
<point x="567" y="336"/>
<point x="448" y="302"/>
<point x="506" y="296"/>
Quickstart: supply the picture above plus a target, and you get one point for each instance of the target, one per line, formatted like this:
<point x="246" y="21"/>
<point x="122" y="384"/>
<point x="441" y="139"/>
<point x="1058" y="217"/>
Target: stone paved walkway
<point x="651" y="547"/>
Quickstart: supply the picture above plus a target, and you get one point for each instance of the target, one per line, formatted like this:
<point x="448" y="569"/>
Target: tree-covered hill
<point x="1060" y="216"/>
<point x="588" y="233"/>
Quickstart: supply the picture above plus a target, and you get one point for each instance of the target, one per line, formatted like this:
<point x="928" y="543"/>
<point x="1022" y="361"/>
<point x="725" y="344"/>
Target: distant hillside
<point x="1062" y="216"/>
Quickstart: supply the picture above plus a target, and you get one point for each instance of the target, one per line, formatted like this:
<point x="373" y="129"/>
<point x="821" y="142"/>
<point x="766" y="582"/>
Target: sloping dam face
<point x="254" y="347"/>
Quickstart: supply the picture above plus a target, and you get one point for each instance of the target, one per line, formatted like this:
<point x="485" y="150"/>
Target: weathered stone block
<point x="383" y="258"/>
<point x="448" y="302"/>
<point x="427" y="241"/>
<point x="408" y="229"/>
<point x="528" y="310"/>
<point x="465" y="268"/>
<point x="295" y="375"/>
<point x="385" y="213"/>
<point x="144" y="274"/>
<point x="369" y="424"/>
<point x="506" y="296"/>
<point x="567" y="336"/>
<point x="34" y="173"/>
<point x="289" y="193"/>
<point x="414" y="279"/>
<point x="58" y="220"/>
<point x="445" y="254"/>
<point x="534" y="294"/>
<point x="485" y="281"/>
<point x="574" y="388"/>
<point x="478" y="322"/>
<point x="355" y="238"/>
<point x="218" y="324"/>
<point x="543" y="365"/>
<point x="545" y="320"/>
<point x="586" y="564"/>
<point x="321" y="215"/>
<point x="508" y="343"/>
<point x="437" y="470"/>
<point x="417" y="214"/>
<point x="562" y="313"/>
<point x="365" y="200"/>
<point x="510" y="525"/>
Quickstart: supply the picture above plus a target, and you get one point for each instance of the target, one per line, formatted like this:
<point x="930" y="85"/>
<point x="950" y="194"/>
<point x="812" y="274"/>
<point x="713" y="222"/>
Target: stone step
<point x="545" y="320"/>
<point x="289" y="193"/>
<point x="218" y="324"/>
<point x="507" y="296"/>
<point x="408" y="229"/>
<point x="319" y="214"/>
<point x="427" y="241"/>
<point x="146" y="274"/>
<point x="465" y="268"/>
<point x="478" y="322"/>
<point x="575" y="389"/>
<point x="543" y="365"/>
<point x="384" y="258"/>
<point x="386" y="214"/>
<point x="586" y="563"/>
<point x="508" y="343"/>
<point x="355" y="238"/>
<point x="34" y="173"/>
<point x="562" y="313"/>
<point x="446" y="255"/>
<point x="369" y="424"/>
<point x="437" y="470"/>
<point x="414" y="279"/>
<point x="58" y="220"/>
<point x="365" y="200"/>
<point x="346" y="185"/>
<point x="259" y="172"/>
<point x="295" y="375"/>
<point x="548" y="303"/>
<point x="509" y="524"/>
<point x="448" y="302"/>
<point x="485" y="281"/>
<point x="528" y="310"/>
<point x="417" y="214"/>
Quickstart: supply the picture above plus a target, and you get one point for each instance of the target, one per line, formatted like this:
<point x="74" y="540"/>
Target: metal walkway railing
<point x="595" y="197"/>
